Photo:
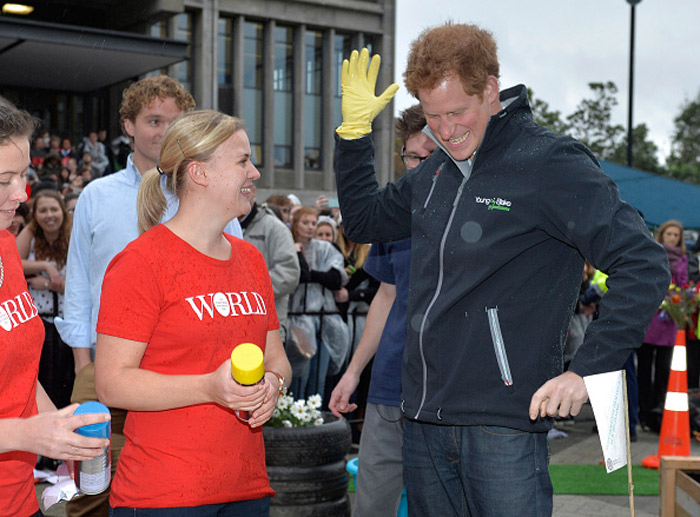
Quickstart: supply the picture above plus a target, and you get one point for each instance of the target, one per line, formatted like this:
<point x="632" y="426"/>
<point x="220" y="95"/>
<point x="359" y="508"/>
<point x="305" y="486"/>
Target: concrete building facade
<point x="274" y="63"/>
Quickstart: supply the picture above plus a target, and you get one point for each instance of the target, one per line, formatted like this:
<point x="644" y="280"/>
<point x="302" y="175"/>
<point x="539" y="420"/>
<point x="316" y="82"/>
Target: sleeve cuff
<point x="74" y="334"/>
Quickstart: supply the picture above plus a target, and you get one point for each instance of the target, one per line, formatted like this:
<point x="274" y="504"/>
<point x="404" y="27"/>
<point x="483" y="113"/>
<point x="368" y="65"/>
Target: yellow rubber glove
<point x="358" y="104"/>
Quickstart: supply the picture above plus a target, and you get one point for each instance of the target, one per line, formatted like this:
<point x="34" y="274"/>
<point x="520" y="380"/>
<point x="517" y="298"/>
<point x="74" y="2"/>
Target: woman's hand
<point x="226" y="392"/>
<point x="41" y="283"/>
<point x="55" y="277"/>
<point x="51" y="434"/>
<point x="272" y="393"/>
<point x="38" y="282"/>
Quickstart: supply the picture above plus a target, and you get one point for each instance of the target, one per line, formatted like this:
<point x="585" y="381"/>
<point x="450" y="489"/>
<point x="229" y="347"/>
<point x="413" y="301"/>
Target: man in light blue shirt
<point x="104" y="222"/>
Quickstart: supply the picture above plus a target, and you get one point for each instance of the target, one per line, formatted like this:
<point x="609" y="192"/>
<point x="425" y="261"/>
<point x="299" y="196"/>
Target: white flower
<point x="284" y="402"/>
<point x="315" y="401"/>
<point x="306" y="417"/>
<point x="298" y="410"/>
<point x="287" y="423"/>
<point x="318" y="421"/>
<point x="276" y="413"/>
<point x="315" y="413"/>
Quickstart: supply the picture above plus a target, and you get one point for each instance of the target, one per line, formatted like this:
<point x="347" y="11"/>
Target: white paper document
<point x="605" y="391"/>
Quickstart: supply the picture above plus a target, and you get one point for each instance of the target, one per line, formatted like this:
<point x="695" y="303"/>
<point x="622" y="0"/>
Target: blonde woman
<point x="657" y="350"/>
<point x="175" y="303"/>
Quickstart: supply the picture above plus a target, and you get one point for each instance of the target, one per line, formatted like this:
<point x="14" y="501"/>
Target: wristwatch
<point x="283" y="387"/>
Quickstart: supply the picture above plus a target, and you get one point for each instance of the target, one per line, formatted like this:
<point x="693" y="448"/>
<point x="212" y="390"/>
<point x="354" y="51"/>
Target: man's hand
<point x="564" y="395"/>
<point x="359" y="105"/>
<point x="340" y="398"/>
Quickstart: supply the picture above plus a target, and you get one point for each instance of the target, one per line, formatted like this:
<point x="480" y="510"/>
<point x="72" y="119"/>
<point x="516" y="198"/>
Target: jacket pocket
<point x="499" y="346"/>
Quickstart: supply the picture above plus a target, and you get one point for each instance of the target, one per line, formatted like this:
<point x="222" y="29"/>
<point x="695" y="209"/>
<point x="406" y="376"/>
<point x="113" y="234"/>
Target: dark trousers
<point x="693" y="351"/>
<point x="252" y="508"/>
<point x="653" y="367"/>
<point x="56" y="367"/>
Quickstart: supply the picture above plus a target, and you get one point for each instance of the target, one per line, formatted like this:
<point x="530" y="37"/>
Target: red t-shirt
<point x="21" y="339"/>
<point x="192" y="310"/>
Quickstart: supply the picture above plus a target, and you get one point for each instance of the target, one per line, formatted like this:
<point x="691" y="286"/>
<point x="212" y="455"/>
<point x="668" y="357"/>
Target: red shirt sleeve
<point x="131" y="298"/>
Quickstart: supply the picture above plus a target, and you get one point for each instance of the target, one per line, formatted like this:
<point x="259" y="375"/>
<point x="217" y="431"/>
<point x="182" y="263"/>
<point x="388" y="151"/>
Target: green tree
<point x="546" y="117"/>
<point x="644" y="151"/>
<point x="590" y="123"/>
<point x="684" y="161"/>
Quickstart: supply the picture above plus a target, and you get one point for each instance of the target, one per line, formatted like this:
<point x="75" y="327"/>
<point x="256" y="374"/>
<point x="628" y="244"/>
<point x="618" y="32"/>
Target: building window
<point x="158" y="30"/>
<point x="313" y="54"/>
<point x="253" y="87"/>
<point x="282" y="85"/>
<point x="372" y="44"/>
<point x="224" y="64"/>
<point x="183" y="32"/>
<point x="342" y="48"/>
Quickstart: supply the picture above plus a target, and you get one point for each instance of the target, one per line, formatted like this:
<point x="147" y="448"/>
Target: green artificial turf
<point x="593" y="480"/>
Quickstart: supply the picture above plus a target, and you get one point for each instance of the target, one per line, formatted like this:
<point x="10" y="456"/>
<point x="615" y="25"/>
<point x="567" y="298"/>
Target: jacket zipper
<point x="438" y="288"/>
<point x="499" y="346"/>
<point x="432" y="186"/>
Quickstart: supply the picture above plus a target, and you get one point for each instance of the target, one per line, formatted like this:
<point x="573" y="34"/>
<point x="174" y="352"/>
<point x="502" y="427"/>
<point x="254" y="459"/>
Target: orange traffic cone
<point x="675" y="426"/>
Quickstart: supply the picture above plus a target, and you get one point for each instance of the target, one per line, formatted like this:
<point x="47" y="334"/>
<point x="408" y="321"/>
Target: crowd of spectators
<point x="68" y="165"/>
<point x="343" y="288"/>
<point x="320" y="335"/>
<point x="322" y="293"/>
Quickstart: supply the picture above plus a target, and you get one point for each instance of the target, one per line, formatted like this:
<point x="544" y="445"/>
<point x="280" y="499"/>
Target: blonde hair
<point x="358" y="254"/>
<point x="193" y="136"/>
<point x="661" y="229"/>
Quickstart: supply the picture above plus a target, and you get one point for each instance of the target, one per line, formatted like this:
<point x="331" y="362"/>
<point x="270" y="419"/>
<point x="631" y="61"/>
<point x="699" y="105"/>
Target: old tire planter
<point x="337" y="507"/>
<point x="306" y="467"/>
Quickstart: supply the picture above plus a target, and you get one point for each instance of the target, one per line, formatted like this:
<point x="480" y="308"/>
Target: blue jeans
<point x="252" y="508"/>
<point x="475" y="470"/>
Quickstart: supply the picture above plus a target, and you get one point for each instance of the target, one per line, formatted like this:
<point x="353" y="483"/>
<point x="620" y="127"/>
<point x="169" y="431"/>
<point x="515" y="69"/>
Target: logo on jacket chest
<point x="494" y="203"/>
<point x="227" y="304"/>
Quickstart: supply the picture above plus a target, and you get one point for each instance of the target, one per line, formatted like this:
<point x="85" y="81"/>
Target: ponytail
<point x="151" y="201"/>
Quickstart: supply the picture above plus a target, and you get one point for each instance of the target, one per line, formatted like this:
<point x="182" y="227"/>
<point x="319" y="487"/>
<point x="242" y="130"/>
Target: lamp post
<point x="633" y="4"/>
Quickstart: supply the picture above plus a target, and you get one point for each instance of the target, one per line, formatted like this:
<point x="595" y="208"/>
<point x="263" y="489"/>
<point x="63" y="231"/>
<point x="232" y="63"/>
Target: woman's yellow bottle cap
<point x="247" y="364"/>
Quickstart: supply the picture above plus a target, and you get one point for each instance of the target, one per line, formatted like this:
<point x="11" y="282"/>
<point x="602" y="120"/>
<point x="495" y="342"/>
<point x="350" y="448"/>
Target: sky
<point x="557" y="47"/>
